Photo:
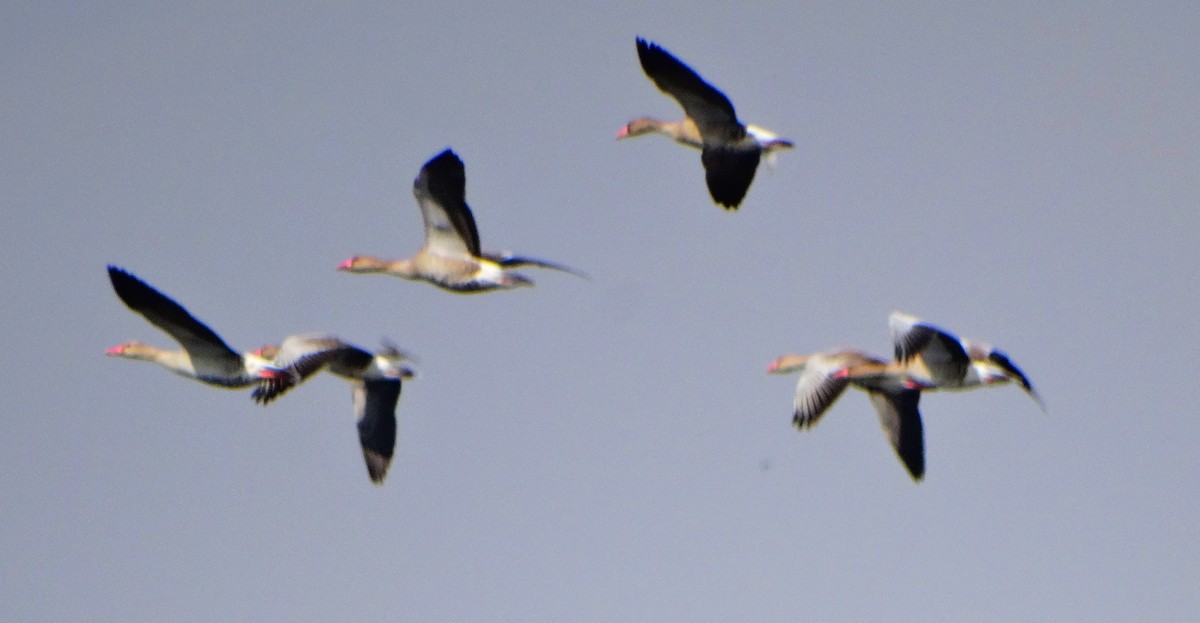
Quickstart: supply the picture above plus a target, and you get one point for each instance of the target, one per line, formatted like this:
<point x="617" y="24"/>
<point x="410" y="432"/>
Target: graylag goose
<point x="730" y="151"/>
<point x="823" y="378"/>
<point x="947" y="361"/>
<point x="204" y="357"/>
<point x="451" y="257"/>
<point x="375" y="381"/>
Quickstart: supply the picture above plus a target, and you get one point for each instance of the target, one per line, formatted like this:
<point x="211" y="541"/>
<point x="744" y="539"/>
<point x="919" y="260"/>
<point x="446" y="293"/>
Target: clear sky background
<point x="604" y="450"/>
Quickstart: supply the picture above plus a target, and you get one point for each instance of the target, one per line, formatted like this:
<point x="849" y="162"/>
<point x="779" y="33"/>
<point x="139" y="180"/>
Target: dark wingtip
<point x="446" y="155"/>
<point x="116" y="274"/>
<point x="445" y="176"/>
<point x="910" y="442"/>
<point x="729" y="201"/>
<point x="445" y="168"/>
<point x="914" y="462"/>
<point x="120" y="279"/>
<point x="262" y="396"/>
<point x="1001" y="359"/>
<point x="1036" y="397"/>
<point x="653" y="57"/>
<point x="729" y="173"/>
<point x="801" y="422"/>
<point x="133" y="292"/>
<point x="377" y="465"/>
<point x="271" y="388"/>
<point x="646" y="46"/>
<point x="727" y="194"/>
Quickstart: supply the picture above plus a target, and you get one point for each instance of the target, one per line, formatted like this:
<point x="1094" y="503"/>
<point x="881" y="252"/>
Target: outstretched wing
<point x="375" y="407"/>
<point x="440" y="190"/>
<point x="299" y="357"/>
<point x="901" y="422"/>
<point x="729" y="170"/>
<point x="817" y="389"/>
<point x="708" y="107"/>
<point x="1002" y="360"/>
<point x="201" y="342"/>
<point x="943" y="353"/>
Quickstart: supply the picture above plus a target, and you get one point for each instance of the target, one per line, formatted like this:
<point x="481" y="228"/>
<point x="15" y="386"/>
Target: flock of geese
<point x="927" y="358"/>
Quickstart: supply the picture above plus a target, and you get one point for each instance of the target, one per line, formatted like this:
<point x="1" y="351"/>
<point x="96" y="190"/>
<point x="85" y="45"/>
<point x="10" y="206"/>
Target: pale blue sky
<point x="608" y="450"/>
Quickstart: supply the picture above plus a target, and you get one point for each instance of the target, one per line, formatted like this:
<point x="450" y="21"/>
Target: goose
<point x="204" y="357"/>
<point x="823" y="378"/>
<point x="451" y="257"/>
<point x="375" y="381"/>
<point x="947" y="361"/>
<point x="730" y="151"/>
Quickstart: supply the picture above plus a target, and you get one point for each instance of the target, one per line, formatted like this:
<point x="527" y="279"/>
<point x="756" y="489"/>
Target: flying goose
<point x="375" y="381"/>
<point x="947" y="361"/>
<point x="451" y="257"/>
<point x="730" y="151"/>
<point x="823" y="378"/>
<point x="204" y="357"/>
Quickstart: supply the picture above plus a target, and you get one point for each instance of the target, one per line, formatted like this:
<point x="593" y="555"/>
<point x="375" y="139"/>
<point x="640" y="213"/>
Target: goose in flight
<point x="204" y="356"/>
<point x="947" y="361"/>
<point x="825" y="376"/>
<point x="375" y="381"/>
<point x="451" y="257"/>
<point x="730" y="151"/>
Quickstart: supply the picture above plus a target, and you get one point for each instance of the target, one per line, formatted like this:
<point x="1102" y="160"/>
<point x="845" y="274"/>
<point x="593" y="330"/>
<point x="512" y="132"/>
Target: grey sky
<point x="608" y="450"/>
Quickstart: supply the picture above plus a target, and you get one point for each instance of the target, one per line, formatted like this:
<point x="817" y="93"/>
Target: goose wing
<point x="201" y="343"/>
<point x="729" y="170"/>
<point x="942" y="353"/>
<point x="817" y="389"/>
<point x="440" y="190"/>
<point x="1001" y="359"/>
<point x="901" y="422"/>
<point x="300" y="357"/>
<point x="375" y="408"/>
<point x="703" y="103"/>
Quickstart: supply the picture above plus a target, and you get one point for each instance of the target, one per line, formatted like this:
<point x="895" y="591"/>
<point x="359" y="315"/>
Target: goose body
<point x="894" y="395"/>
<point x="730" y="151"/>
<point x="204" y="356"/>
<point x="451" y="257"/>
